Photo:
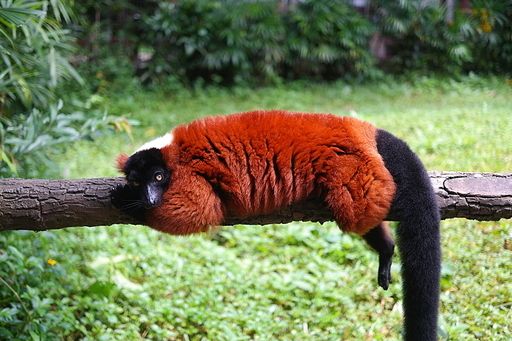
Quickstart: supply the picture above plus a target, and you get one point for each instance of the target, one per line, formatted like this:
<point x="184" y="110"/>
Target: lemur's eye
<point x="159" y="177"/>
<point x="135" y="183"/>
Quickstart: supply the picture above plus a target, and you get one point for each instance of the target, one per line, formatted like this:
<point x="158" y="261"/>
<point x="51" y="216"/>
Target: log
<point x="38" y="205"/>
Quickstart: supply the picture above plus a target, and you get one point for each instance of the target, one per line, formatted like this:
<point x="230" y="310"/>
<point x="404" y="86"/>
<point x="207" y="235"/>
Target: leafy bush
<point x="27" y="142"/>
<point x="255" y="42"/>
<point x="328" y="39"/>
<point x="492" y="36"/>
<point x="109" y="36"/>
<point x="33" y="57"/>
<point x="33" y="122"/>
<point x="226" y="42"/>
<point x="424" y="40"/>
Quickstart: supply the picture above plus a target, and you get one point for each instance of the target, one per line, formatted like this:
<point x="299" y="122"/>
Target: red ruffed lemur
<point x="257" y="162"/>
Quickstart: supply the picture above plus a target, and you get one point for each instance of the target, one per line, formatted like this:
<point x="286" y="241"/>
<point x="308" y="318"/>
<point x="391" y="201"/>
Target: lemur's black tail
<point x="418" y="237"/>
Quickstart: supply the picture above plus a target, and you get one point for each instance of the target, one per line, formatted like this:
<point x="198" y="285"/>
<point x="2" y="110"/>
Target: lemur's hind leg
<point x="380" y="239"/>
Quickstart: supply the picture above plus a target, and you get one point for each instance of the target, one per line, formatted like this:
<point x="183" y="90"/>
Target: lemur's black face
<point x="148" y="176"/>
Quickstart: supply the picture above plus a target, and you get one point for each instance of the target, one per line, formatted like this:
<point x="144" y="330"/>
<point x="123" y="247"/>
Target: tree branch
<point x="39" y="205"/>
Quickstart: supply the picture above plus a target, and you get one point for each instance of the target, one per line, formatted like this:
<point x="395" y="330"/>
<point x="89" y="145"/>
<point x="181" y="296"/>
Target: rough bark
<point x="37" y="205"/>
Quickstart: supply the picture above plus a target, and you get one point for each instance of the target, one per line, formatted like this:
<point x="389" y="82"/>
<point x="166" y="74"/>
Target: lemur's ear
<point x="121" y="161"/>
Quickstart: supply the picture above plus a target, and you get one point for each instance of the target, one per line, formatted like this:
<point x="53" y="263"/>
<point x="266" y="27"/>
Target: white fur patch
<point x="157" y="143"/>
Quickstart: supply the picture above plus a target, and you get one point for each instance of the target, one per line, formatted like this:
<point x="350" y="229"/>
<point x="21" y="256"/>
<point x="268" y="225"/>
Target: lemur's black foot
<point x="380" y="239"/>
<point x="384" y="276"/>
<point x="124" y="198"/>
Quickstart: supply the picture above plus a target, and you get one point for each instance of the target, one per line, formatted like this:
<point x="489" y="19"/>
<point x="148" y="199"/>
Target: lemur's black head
<point x="147" y="175"/>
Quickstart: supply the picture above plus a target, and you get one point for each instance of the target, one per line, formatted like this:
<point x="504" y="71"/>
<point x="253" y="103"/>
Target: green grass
<point x="299" y="281"/>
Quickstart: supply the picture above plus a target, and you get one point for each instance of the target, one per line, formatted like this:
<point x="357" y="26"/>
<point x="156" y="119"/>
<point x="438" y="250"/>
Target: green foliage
<point x="33" y="122"/>
<point x="425" y="40"/>
<point x="328" y="39"/>
<point x="33" y="54"/>
<point x="27" y="312"/>
<point x="263" y="42"/>
<point x="492" y="36"/>
<point x="27" y="142"/>
<point x="226" y="42"/>
<point x="293" y="282"/>
<point x="109" y="34"/>
<point x="240" y="42"/>
<point x="33" y="47"/>
<point x="234" y="42"/>
<point x="110" y="70"/>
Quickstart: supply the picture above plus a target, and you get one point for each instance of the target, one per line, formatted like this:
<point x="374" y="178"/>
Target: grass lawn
<point x="299" y="281"/>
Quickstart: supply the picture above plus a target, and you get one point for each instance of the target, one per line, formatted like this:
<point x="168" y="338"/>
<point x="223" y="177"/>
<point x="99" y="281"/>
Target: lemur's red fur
<point x="257" y="162"/>
<point x="121" y="161"/>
